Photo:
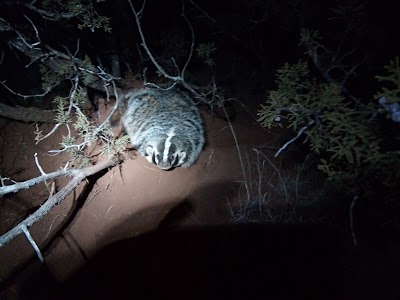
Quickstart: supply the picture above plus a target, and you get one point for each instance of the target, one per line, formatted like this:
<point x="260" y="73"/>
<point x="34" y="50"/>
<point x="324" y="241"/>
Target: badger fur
<point x="164" y="126"/>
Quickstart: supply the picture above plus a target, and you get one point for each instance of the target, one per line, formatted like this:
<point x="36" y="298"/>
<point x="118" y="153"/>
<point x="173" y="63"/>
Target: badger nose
<point x="165" y="167"/>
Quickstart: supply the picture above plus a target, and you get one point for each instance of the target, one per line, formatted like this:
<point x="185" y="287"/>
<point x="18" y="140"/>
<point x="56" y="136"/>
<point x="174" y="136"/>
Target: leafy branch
<point x="345" y="136"/>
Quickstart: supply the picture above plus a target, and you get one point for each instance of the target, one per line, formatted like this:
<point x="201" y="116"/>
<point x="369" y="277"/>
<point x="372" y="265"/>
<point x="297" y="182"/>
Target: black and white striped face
<point x="166" y="154"/>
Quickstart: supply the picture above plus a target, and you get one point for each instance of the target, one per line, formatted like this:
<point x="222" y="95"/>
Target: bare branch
<point x="116" y="105"/>
<point x="146" y="48"/>
<point x="177" y="79"/>
<point x="31" y="182"/>
<point x="4" y="25"/>
<point x="192" y="44"/>
<point x="44" y="13"/>
<point x="316" y="51"/>
<point x="140" y="12"/>
<point x="32" y="242"/>
<point x="96" y="130"/>
<point x="3" y="83"/>
<point x="203" y="11"/>
<point x="51" y="58"/>
<point x="3" y="179"/>
<point x="53" y="16"/>
<point x="78" y="176"/>
<point x="293" y="139"/>
<point x="36" y="32"/>
<point x="38" y="165"/>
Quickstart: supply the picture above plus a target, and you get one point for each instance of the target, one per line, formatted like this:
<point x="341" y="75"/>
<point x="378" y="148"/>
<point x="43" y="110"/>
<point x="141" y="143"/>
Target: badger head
<point x="166" y="154"/>
<point x="165" y="158"/>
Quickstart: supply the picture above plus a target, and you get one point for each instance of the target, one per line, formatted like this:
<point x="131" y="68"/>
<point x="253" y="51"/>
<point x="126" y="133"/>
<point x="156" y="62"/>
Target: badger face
<point x="165" y="153"/>
<point x="165" y="156"/>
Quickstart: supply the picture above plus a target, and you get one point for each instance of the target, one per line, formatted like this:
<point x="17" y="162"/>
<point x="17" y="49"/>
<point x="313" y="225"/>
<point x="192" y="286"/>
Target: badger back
<point x="165" y="126"/>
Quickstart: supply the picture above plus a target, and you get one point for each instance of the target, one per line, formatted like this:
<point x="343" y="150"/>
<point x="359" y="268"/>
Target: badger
<point x="164" y="126"/>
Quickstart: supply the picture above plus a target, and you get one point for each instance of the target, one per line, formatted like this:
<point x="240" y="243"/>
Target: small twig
<point x="202" y="11"/>
<point x="38" y="165"/>
<point x="177" y="79"/>
<point x="351" y="213"/>
<point x="279" y="176"/>
<point x="94" y="195"/>
<point x="36" y="32"/>
<point x="239" y="153"/>
<point x="191" y="45"/>
<point x="3" y="83"/>
<point x="50" y="133"/>
<point x="315" y="57"/>
<point x="65" y="147"/>
<point x="44" y="13"/>
<point x="293" y="139"/>
<point x="32" y="241"/>
<point x="140" y="12"/>
<point x="108" y="210"/>
<point x="2" y="179"/>
<point x="77" y="48"/>
<point x="116" y="105"/>
<point x="51" y="225"/>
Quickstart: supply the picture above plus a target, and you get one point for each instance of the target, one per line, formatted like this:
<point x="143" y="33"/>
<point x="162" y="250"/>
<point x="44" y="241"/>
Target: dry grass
<point x="274" y="195"/>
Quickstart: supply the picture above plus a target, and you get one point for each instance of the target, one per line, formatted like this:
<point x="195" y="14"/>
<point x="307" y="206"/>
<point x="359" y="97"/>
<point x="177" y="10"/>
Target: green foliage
<point x="53" y="76"/>
<point x="79" y="158"/>
<point x="349" y="9"/>
<point x="94" y="21"/>
<point x="309" y="37"/>
<point x="80" y="9"/>
<point x="67" y="141"/>
<point x="206" y="52"/>
<point x="352" y="13"/>
<point x="87" y="76"/>
<point x="113" y="147"/>
<point x="345" y="136"/>
<point x="85" y="128"/>
<point x="392" y="80"/>
<point x="80" y="97"/>
<point x="62" y="116"/>
<point x="38" y="133"/>
<point x="85" y="132"/>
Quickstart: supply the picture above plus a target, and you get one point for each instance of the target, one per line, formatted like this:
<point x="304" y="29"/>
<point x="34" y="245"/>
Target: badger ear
<point x="149" y="151"/>
<point x="182" y="158"/>
<point x="149" y="155"/>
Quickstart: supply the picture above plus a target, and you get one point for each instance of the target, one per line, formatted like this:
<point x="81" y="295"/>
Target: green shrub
<point x="346" y="136"/>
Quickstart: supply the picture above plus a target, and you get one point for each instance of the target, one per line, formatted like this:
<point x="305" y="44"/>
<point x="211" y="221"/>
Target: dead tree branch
<point x="329" y="62"/>
<point x="26" y="114"/>
<point x="31" y="182"/>
<point x="50" y="57"/>
<point x="77" y="177"/>
<point x="180" y="78"/>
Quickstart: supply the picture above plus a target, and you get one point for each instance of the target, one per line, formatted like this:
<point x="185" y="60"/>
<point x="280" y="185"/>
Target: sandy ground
<point x="124" y="202"/>
<point x="137" y="231"/>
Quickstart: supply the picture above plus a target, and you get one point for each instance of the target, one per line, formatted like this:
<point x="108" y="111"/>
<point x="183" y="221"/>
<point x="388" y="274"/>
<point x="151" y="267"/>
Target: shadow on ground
<point x="229" y="262"/>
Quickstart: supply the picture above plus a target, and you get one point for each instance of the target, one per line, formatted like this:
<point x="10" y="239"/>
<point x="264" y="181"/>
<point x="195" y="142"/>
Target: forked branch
<point x="77" y="177"/>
